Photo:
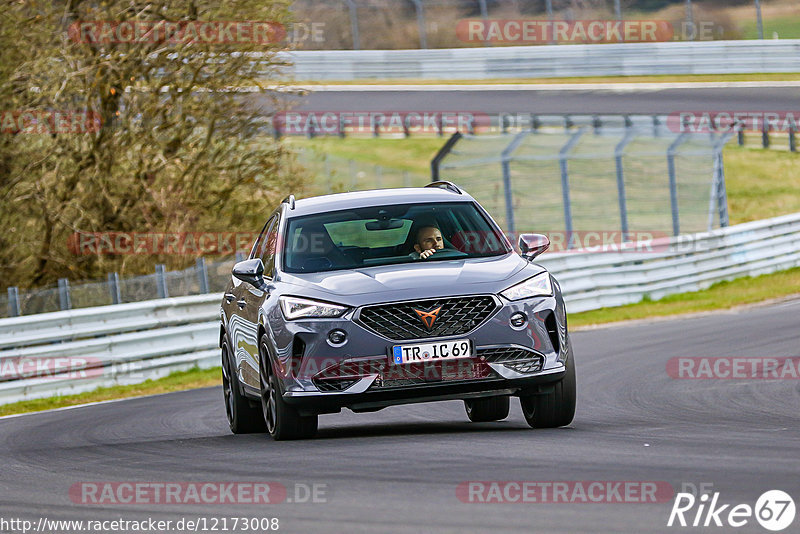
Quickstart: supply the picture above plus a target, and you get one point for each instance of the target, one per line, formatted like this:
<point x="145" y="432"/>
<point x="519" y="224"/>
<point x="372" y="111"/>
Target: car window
<point x="267" y="247"/>
<point x="384" y="235"/>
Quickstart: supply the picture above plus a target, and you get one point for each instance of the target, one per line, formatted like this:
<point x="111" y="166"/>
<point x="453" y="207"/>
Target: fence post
<point x="423" y="38"/>
<point x="740" y="136"/>
<point x="63" y="294"/>
<point x="444" y="151"/>
<point x="506" y="167"/>
<point x="792" y="140"/>
<point x="202" y="275"/>
<point x="656" y="126"/>
<point x="113" y="288"/>
<point x="765" y="135"/>
<point x="353" y="176"/>
<point x="549" y="8"/>
<point x="13" y="302"/>
<point x="563" y="154"/>
<point x="161" y="281"/>
<point x="623" y="208"/>
<point x="342" y="126"/>
<point x="759" y="22"/>
<point x="326" y="167"/>
<point x="673" y="183"/>
<point x="597" y="124"/>
<point x="354" y="23"/>
<point x="690" y="20"/>
<point x="484" y="16"/>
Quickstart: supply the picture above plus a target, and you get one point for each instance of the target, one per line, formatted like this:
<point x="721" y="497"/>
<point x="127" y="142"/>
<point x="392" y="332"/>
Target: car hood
<point x="418" y="280"/>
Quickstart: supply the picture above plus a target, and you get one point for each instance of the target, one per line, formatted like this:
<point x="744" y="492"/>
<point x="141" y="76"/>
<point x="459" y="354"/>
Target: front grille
<point x="456" y="316"/>
<point x="518" y="359"/>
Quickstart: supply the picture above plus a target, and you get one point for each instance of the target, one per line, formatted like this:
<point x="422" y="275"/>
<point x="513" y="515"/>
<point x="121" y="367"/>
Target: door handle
<point x="241" y="303"/>
<point x="229" y="297"/>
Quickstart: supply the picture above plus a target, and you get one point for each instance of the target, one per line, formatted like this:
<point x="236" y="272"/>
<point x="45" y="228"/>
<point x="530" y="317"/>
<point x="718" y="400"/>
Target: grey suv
<point x="369" y="299"/>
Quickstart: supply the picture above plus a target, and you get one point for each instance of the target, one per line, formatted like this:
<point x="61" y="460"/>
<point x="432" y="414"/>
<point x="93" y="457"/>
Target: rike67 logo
<point x="774" y="510"/>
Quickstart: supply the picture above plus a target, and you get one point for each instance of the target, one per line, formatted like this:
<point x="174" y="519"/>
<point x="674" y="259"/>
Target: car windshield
<point x="385" y="235"/>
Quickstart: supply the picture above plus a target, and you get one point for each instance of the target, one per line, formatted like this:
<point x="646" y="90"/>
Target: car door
<point x="249" y="303"/>
<point x="241" y="299"/>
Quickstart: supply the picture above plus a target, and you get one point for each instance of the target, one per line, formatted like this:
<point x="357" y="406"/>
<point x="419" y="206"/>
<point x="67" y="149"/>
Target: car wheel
<point x="487" y="409"/>
<point x="556" y="408"/>
<point x="283" y="422"/>
<point x="243" y="418"/>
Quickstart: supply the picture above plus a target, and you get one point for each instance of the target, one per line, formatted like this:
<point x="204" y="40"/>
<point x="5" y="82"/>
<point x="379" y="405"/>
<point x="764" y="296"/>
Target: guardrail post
<point x="563" y="154"/>
<point x="161" y="281"/>
<point x="13" y="302"/>
<point x="354" y="23"/>
<point x="443" y="152"/>
<point x="63" y="294"/>
<point x="113" y="288"/>
<point x="673" y="183"/>
<point x="597" y="124"/>
<point x="202" y="275"/>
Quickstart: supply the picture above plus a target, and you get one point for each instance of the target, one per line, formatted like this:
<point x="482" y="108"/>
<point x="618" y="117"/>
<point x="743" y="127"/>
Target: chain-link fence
<point x="402" y="24"/>
<point x="634" y="176"/>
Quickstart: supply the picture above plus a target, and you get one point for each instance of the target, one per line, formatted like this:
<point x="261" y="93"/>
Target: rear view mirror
<point x="388" y="224"/>
<point x="531" y="245"/>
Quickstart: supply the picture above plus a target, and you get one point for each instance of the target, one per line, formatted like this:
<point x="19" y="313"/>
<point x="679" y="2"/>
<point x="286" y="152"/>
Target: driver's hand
<point x="425" y="254"/>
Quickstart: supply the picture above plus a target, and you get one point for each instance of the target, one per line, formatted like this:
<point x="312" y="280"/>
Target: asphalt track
<point x="575" y="101"/>
<point x="397" y="470"/>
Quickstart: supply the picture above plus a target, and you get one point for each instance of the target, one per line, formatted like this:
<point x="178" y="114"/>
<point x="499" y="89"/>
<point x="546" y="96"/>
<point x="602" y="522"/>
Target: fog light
<point x="518" y="319"/>
<point x="337" y="337"/>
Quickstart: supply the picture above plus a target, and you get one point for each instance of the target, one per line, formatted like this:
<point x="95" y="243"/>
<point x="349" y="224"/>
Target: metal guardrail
<point x="628" y="59"/>
<point x="129" y="343"/>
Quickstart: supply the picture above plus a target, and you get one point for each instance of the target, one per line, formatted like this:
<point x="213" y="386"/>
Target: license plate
<point x="432" y="352"/>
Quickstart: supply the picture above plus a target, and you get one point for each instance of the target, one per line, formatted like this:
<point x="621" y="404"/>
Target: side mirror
<point x="250" y="271"/>
<point x="531" y="245"/>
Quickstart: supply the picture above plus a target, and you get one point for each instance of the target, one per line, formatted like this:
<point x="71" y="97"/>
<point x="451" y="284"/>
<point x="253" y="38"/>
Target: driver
<point x="429" y="240"/>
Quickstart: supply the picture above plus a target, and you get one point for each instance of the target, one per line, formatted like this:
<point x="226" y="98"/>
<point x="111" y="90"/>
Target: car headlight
<point x="297" y="308"/>
<point x="538" y="286"/>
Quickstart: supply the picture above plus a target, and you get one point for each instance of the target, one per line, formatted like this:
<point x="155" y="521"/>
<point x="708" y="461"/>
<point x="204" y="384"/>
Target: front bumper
<point x="544" y="335"/>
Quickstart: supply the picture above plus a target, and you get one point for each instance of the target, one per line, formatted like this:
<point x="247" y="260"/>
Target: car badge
<point x="428" y="317"/>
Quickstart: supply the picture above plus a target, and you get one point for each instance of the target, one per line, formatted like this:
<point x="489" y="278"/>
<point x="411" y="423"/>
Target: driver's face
<point x="429" y="238"/>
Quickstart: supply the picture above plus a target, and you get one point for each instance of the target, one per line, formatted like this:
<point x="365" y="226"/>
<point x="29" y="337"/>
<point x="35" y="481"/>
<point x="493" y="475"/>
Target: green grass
<point x="761" y="183"/>
<point x="720" y="296"/>
<point x="786" y="28"/>
<point x="413" y="154"/>
<point x="178" y="381"/>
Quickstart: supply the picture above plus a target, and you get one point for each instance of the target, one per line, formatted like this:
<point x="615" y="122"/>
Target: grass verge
<point x="720" y="296"/>
<point x="178" y="381"/>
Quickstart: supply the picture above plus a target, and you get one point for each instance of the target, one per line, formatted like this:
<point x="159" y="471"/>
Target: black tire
<point x="243" y="417"/>
<point x="487" y="409"/>
<point x="556" y="408"/>
<point x="282" y="421"/>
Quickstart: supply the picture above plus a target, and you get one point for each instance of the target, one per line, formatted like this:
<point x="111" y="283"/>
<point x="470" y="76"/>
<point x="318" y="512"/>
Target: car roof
<point x="376" y="197"/>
